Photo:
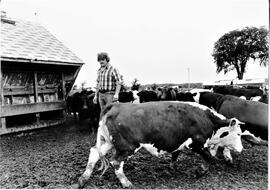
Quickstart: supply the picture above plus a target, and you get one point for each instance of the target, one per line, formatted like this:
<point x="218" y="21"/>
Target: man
<point x="108" y="82"/>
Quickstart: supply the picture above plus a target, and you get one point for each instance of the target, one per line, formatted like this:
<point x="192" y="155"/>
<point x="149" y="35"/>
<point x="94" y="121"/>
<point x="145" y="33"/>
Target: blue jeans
<point x="104" y="99"/>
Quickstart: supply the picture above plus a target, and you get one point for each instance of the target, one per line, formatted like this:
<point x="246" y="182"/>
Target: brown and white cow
<point x="160" y="127"/>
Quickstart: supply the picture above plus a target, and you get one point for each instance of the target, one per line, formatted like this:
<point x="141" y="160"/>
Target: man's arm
<point x="119" y="82"/>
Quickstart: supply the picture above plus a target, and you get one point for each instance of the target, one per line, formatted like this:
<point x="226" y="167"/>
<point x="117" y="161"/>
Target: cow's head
<point x="227" y="137"/>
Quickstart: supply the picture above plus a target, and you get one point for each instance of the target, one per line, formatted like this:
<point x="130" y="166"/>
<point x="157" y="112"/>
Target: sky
<point x="155" y="41"/>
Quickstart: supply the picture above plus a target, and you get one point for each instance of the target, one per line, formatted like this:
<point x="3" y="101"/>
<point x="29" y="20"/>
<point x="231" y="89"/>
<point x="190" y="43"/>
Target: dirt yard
<point x="55" y="158"/>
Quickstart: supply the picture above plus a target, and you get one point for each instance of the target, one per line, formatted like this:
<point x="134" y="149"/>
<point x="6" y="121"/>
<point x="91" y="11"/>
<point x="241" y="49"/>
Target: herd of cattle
<point x="167" y="121"/>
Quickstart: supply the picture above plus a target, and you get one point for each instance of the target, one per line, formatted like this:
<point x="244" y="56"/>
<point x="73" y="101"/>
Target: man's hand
<point x="115" y="97"/>
<point x="95" y="99"/>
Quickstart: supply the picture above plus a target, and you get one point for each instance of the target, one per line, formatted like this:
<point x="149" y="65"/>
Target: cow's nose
<point x="238" y="148"/>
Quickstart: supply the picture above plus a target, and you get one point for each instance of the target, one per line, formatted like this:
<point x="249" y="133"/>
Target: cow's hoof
<point x="202" y="170"/>
<point x="75" y="186"/>
<point x="81" y="182"/>
<point x="229" y="163"/>
<point x="173" y="166"/>
<point x="127" y="185"/>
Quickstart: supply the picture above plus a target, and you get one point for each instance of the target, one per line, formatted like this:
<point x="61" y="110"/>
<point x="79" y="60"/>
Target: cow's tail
<point x="103" y="139"/>
<point x="107" y="109"/>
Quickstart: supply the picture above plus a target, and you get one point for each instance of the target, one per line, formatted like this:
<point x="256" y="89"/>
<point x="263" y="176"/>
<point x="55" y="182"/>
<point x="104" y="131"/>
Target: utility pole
<point x="188" y="69"/>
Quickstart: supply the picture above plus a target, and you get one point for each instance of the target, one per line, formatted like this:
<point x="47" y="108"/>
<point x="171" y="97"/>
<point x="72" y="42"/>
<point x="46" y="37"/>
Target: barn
<point x="37" y="72"/>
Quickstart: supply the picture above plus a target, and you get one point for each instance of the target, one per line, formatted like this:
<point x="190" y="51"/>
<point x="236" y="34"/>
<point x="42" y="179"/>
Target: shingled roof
<point x="24" y="41"/>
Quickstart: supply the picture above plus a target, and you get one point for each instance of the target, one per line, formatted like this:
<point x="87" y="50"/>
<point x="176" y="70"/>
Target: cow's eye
<point x="224" y="134"/>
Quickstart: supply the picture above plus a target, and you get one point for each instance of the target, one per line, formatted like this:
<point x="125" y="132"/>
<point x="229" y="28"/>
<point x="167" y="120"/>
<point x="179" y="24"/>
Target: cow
<point x="263" y="98"/>
<point x="147" y="96"/>
<point x="167" y="93"/>
<point x="126" y="97"/>
<point x="185" y="96"/>
<point x="208" y="99"/>
<point x="170" y="94"/>
<point x="229" y="90"/>
<point x="160" y="127"/>
<point x="77" y="103"/>
<point x="93" y="113"/>
<point x="253" y="114"/>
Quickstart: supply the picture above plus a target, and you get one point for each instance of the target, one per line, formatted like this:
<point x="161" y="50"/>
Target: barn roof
<point x="25" y="41"/>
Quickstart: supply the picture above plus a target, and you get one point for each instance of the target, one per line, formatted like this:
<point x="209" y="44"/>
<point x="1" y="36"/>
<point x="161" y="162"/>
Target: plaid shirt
<point x="108" y="78"/>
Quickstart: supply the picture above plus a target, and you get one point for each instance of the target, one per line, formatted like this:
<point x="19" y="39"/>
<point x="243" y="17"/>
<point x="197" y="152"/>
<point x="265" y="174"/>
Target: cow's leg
<point x="198" y="147"/>
<point x="227" y="155"/>
<point x="75" y="116"/>
<point x="173" y="160"/>
<point x="119" y="172"/>
<point x="94" y="156"/>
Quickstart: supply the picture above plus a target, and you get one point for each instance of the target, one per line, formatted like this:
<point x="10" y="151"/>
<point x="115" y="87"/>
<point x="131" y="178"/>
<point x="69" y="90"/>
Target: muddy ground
<point x="55" y="157"/>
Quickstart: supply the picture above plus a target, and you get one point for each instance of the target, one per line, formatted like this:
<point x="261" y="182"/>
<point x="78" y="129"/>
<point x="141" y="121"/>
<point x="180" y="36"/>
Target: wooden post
<point x="3" y="119"/>
<point x="38" y="117"/>
<point x="36" y="95"/>
<point x="3" y="123"/>
<point x="63" y="84"/>
<point x="35" y="87"/>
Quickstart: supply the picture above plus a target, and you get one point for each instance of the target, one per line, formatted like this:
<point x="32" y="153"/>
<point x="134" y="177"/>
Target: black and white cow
<point x="209" y="99"/>
<point x="185" y="96"/>
<point x="147" y="96"/>
<point x="229" y="90"/>
<point x="126" y="96"/>
<point x="160" y="127"/>
<point x="129" y="96"/>
<point x="263" y="98"/>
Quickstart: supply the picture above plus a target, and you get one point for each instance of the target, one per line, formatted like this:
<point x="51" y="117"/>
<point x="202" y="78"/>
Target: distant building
<point x="37" y="72"/>
<point x="263" y="82"/>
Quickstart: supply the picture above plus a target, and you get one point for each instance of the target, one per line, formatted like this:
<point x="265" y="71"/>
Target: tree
<point x="234" y="49"/>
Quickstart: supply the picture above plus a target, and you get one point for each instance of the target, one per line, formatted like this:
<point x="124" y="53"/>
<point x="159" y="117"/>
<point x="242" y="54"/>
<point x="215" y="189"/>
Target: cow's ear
<point x="232" y="122"/>
<point x="235" y="122"/>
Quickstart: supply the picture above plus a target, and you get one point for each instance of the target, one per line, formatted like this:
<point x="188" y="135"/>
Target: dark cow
<point x="78" y="103"/>
<point x="209" y="99"/>
<point x="167" y="93"/>
<point x="170" y="94"/>
<point x="229" y="90"/>
<point x="185" y="96"/>
<point x="253" y="114"/>
<point x="160" y="127"/>
<point x="147" y="96"/>
<point x="128" y="96"/>
<point x="93" y="112"/>
<point x="263" y="98"/>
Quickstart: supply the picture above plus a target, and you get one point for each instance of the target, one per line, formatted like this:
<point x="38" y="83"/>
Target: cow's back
<point x="210" y="99"/>
<point x="165" y="124"/>
<point x="245" y="110"/>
